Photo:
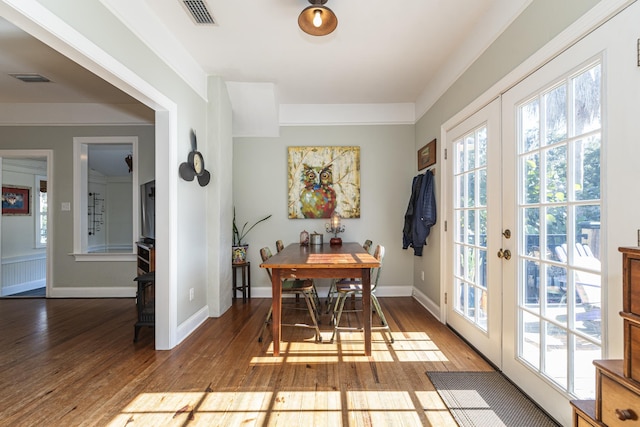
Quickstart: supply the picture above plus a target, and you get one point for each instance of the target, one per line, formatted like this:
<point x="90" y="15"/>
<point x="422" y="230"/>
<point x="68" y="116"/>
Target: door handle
<point x="506" y="254"/>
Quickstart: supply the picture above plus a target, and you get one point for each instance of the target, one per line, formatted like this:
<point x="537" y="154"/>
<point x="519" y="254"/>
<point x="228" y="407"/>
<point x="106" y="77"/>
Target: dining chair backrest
<point x="265" y="254"/>
<point x="367" y="245"/>
<point x="279" y="245"/>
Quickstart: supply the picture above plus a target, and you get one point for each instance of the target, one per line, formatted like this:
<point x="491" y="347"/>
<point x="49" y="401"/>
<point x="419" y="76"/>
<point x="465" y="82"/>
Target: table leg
<point x="233" y="282"/>
<point x="366" y="309"/>
<point x="276" y="305"/>
<point x="244" y="284"/>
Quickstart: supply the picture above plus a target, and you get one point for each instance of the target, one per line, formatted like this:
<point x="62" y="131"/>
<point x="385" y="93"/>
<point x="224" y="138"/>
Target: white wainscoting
<point x="23" y="273"/>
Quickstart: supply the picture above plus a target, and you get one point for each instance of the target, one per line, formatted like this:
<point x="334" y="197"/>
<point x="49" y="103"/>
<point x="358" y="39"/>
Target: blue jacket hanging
<point x="421" y="213"/>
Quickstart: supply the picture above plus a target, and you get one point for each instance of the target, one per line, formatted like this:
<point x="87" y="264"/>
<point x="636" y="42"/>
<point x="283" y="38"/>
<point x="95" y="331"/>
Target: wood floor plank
<point x="74" y="363"/>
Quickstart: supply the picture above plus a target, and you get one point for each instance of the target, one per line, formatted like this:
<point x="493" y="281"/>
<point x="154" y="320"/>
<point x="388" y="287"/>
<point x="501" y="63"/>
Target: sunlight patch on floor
<point x="284" y="407"/>
<point x="349" y="347"/>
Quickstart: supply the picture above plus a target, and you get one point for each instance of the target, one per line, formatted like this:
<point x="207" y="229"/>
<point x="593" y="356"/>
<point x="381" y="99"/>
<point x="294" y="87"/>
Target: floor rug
<point x="482" y="399"/>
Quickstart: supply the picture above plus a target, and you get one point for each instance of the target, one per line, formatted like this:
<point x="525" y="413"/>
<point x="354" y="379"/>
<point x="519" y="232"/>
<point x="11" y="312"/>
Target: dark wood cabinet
<point x="146" y="258"/>
<point x="146" y="293"/>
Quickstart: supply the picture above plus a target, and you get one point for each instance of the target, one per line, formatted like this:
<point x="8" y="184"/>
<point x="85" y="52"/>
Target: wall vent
<point x="199" y="12"/>
<point x="30" y="77"/>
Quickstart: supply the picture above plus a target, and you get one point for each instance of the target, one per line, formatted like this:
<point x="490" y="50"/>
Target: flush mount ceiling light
<point x="317" y="19"/>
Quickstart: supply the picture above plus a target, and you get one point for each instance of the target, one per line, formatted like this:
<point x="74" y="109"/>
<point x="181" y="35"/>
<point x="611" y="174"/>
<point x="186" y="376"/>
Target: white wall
<point x="387" y="162"/>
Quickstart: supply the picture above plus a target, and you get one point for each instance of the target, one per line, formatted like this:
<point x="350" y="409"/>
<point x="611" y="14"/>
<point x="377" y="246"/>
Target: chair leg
<point x="316" y="307"/>
<point x="312" y="312"/>
<point x="337" y="313"/>
<point x="376" y="304"/>
<point x="316" y="299"/>
<point x="330" y="295"/>
<point x="335" y="308"/>
<point x="266" y="322"/>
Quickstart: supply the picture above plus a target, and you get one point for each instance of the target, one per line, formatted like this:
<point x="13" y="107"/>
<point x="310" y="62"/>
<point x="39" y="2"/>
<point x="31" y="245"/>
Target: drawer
<point x="631" y="299"/>
<point x="616" y="397"/>
<point x="584" y="422"/>
<point x="143" y="252"/>
<point x="584" y="413"/>
<point x="632" y="350"/>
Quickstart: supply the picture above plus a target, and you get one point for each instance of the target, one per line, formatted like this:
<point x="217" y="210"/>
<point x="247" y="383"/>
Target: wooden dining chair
<point x="332" y="287"/>
<point x="349" y="287"/>
<point x="293" y="287"/>
<point x="279" y="246"/>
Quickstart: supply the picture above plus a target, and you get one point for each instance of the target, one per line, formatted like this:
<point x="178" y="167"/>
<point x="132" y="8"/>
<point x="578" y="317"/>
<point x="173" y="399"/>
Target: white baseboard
<point x="87" y="292"/>
<point x="187" y="327"/>
<point x="427" y="303"/>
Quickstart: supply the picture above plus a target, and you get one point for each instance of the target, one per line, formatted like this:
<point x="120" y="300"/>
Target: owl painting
<point x="317" y="198"/>
<point x="322" y="180"/>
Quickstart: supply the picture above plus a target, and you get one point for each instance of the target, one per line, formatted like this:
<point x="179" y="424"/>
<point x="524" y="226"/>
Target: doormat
<point x="481" y="399"/>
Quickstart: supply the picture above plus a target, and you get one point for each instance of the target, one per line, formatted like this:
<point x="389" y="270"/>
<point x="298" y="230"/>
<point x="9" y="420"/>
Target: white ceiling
<point x="382" y="52"/>
<point x="70" y="83"/>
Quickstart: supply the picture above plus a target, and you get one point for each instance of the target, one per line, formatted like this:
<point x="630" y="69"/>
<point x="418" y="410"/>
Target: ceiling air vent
<point x="30" y="77"/>
<point x="199" y="11"/>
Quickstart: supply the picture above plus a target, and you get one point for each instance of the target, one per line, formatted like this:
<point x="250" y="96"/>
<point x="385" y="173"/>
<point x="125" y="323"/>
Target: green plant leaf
<point x="240" y="234"/>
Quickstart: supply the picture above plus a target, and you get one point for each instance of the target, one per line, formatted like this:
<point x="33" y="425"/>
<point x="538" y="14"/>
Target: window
<point x="106" y="203"/>
<point x="40" y="211"/>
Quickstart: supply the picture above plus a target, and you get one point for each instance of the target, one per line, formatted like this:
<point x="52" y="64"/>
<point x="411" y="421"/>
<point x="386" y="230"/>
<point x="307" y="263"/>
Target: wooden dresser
<point x="617" y="400"/>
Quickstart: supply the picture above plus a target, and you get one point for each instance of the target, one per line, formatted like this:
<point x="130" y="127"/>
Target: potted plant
<point x="239" y="250"/>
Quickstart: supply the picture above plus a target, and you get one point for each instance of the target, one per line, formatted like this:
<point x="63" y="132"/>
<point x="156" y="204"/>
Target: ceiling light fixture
<point x="317" y="19"/>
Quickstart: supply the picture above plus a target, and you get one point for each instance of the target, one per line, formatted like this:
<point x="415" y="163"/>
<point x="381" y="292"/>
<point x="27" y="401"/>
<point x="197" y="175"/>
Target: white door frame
<point x="40" y="22"/>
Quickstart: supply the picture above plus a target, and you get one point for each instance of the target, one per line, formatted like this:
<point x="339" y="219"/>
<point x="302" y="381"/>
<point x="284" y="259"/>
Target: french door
<point x="552" y="143"/>
<point x="524" y="252"/>
<point x="474" y="214"/>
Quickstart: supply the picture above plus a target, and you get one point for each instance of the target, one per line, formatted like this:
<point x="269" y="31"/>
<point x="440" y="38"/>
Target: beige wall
<point x="387" y="167"/>
<point x="66" y="271"/>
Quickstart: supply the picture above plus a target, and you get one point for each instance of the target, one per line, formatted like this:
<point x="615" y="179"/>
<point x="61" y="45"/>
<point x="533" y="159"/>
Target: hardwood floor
<point x="72" y="362"/>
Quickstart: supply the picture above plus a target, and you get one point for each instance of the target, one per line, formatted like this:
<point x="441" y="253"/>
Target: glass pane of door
<point x="559" y="295"/>
<point x="470" y="211"/>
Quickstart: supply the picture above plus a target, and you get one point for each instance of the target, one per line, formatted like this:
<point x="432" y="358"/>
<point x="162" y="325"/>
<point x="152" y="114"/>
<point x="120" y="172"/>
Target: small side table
<point x="245" y="287"/>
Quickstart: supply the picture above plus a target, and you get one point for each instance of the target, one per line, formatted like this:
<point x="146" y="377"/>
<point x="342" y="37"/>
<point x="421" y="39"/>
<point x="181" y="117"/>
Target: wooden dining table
<point x="321" y="262"/>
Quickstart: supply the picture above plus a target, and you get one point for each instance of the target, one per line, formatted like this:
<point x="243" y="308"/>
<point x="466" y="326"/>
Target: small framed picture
<point x="427" y="155"/>
<point x="16" y="200"/>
